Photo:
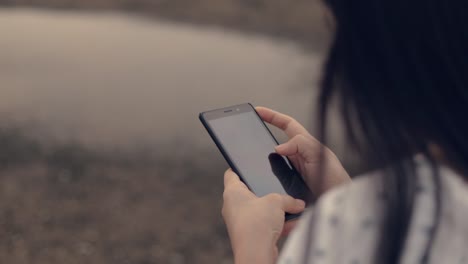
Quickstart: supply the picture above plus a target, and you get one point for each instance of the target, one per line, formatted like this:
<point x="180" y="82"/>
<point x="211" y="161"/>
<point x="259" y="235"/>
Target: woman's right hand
<point x="304" y="151"/>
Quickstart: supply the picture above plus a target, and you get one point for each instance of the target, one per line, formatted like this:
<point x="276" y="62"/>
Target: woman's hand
<point x="255" y="224"/>
<point x="304" y="151"/>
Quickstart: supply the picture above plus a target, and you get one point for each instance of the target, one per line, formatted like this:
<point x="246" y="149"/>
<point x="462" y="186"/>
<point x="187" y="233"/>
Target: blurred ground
<point x="65" y="203"/>
<point x="300" y="20"/>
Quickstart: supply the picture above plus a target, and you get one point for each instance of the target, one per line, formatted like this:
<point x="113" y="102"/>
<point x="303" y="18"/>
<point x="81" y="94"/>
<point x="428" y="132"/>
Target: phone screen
<point x="251" y="149"/>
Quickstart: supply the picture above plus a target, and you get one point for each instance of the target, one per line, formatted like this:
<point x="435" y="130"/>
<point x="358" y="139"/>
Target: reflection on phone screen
<point x="291" y="182"/>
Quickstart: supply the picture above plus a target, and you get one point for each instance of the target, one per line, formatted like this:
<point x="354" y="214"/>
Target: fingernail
<point x="300" y="203"/>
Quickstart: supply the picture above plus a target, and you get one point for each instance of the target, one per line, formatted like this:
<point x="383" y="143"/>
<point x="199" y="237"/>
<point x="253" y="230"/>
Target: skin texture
<point x="256" y="223"/>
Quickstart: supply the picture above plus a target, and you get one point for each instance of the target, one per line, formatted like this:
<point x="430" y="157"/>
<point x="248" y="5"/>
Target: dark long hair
<point x="398" y="69"/>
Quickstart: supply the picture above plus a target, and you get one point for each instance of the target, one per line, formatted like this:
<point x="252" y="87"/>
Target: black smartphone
<point x="249" y="148"/>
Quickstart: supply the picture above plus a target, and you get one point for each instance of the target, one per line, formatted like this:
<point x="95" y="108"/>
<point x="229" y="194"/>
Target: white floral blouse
<point x="343" y="226"/>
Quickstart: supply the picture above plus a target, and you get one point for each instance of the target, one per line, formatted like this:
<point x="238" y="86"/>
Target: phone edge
<point x="288" y="217"/>
<point x="220" y="148"/>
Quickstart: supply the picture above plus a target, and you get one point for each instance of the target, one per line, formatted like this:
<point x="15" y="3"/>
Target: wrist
<point x="254" y="253"/>
<point x="254" y="249"/>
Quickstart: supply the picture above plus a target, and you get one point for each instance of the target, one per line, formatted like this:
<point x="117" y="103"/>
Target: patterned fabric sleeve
<point x="343" y="227"/>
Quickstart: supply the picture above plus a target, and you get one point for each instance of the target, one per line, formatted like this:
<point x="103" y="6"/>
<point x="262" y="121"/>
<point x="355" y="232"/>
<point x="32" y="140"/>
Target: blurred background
<point x="102" y="156"/>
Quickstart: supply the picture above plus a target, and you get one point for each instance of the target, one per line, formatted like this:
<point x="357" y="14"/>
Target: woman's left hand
<point x="255" y="224"/>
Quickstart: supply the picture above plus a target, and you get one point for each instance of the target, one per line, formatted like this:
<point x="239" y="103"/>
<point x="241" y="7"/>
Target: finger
<point x="287" y="203"/>
<point x="292" y="206"/>
<point x="286" y="123"/>
<point x="288" y="227"/>
<point x="232" y="180"/>
<point x="308" y="148"/>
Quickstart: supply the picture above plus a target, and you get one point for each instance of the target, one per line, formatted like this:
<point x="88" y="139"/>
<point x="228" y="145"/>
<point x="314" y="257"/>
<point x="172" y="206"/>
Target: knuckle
<point x="301" y="138"/>
<point x="231" y="191"/>
<point x="292" y="120"/>
<point x="297" y="138"/>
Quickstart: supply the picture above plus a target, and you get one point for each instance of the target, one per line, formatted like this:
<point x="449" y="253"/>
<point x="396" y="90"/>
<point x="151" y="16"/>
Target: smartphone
<point x="249" y="148"/>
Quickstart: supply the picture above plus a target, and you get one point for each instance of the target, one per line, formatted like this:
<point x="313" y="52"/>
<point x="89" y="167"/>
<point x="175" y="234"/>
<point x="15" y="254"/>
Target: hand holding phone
<point x="307" y="153"/>
<point x="249" y="148"/>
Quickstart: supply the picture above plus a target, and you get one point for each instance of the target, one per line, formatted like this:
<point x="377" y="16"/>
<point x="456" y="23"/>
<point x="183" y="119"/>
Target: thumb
<point x="287" y="149"/>
<point x="308" y="148"/>
<point x="293" y="146"/>
<point x="291" y="205"/>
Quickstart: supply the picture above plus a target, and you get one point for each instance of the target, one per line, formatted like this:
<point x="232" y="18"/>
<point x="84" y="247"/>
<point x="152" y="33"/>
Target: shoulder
<point x="343" y="226"/>
<point x="345" y="214"/>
